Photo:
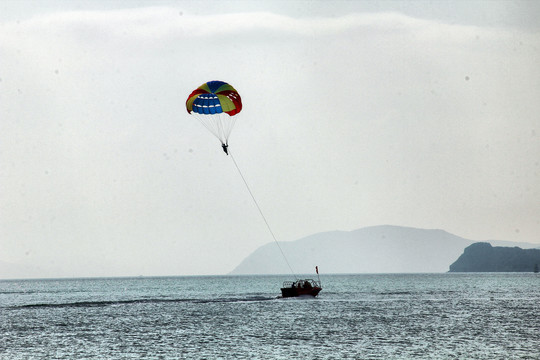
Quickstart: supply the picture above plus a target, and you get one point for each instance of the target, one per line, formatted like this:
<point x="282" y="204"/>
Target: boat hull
<point x="295" y="292"/>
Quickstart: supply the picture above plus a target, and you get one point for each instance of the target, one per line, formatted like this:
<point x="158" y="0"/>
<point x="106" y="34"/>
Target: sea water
<point x="401" y="316"/>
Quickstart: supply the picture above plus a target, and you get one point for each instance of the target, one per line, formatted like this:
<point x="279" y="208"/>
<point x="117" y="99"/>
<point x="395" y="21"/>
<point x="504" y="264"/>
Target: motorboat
<point x="296" y="288"/>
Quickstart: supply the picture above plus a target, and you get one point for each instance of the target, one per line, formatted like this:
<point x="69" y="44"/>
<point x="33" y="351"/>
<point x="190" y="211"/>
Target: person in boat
<point x="307" y="285"/>
<point x="225" y="148"/>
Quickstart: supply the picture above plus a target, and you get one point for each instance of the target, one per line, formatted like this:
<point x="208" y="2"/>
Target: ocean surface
<point x="401" y="316"/>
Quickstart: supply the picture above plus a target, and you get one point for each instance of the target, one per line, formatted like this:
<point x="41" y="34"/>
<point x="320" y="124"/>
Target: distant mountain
<point x="378" y="249"/>
<point x="482" y="257"/>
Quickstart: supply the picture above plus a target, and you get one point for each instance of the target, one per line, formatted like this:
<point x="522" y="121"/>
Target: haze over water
<point x="355" y="114"/>
<point x="420" y="316"/>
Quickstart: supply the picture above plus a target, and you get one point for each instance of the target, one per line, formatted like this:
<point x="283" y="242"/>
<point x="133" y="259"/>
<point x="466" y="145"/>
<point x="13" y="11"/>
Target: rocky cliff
<point x="482" y="257"/>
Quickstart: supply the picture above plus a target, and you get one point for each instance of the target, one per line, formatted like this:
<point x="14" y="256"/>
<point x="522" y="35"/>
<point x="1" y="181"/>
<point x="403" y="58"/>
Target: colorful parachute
<point x="215" y="105"/>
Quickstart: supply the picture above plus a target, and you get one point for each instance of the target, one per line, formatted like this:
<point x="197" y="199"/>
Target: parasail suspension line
<point x="260" y="212"/>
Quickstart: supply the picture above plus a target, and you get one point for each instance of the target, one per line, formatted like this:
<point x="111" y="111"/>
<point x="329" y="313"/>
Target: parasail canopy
<point x="215" y="104"/>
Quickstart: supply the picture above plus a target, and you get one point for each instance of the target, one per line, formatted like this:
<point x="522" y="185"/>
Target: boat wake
<point x="106" y="303"/>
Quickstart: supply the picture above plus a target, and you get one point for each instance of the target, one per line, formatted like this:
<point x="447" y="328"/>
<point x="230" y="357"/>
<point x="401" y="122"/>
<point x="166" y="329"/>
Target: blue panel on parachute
<point x="207" y="104"/>
<point x="214" y="85"/>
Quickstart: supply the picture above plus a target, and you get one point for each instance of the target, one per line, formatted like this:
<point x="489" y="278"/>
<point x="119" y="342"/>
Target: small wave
<point x="138" y="301"/>
<point x="17" y="292"/>
<point x="32" y="292"/>
<point x="396" y="293"/>
<point x="234" y="299"/>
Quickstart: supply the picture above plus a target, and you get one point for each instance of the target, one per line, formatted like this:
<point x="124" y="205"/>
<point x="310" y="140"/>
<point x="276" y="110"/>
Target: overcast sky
<point x="422" y="114"/>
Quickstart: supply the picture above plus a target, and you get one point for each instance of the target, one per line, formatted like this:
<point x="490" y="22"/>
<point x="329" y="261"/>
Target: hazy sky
<point x="422" y="114"/>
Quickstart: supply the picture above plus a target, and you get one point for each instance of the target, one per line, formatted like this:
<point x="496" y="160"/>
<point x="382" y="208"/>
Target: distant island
<point x="483" y="257"/>
<point x="376" y="249"/>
